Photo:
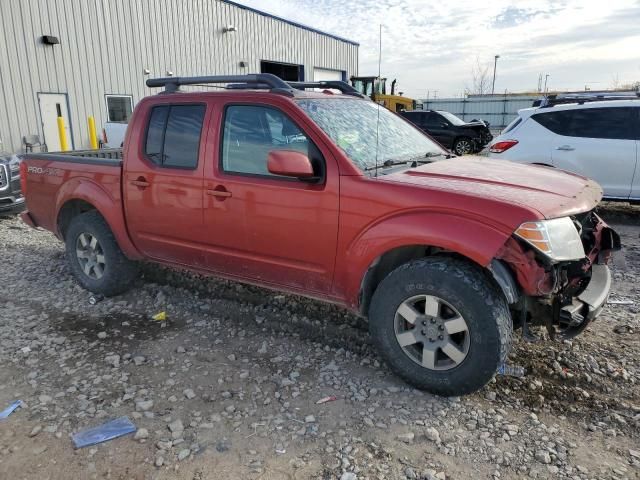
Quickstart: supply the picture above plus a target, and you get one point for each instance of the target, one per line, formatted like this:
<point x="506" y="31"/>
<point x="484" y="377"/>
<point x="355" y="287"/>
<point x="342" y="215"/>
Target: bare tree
<point x="615" y="82"/>
<point x="631" y="86"/>
<point x="481" y="79"/>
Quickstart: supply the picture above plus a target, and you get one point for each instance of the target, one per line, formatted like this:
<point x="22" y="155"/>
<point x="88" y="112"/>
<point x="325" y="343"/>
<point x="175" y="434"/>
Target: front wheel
<point x="463" y="146"/>
<point x="441" y="325"/>
<point x="95" y="257"/>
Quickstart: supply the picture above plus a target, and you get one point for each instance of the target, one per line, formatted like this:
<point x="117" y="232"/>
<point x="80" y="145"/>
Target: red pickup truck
<point x="329" y="195"/>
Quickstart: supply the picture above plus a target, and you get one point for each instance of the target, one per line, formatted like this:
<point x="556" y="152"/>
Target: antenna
<point x="374" y="96"/>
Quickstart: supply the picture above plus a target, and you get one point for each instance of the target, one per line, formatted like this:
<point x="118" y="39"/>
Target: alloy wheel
<point x="432" y="332"/>
<point x="90" y="256"/>
<point x="463" y="147"/>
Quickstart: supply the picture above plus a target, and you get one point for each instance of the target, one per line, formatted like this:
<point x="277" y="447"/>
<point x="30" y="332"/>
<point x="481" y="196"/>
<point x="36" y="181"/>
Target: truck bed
<point x="89" y="173"/>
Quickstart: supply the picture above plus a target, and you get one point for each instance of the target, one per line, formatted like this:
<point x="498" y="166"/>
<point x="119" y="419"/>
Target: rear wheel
<point x="95" y="257"/>
<point x="441" y="325"/>
<point x="463" y="146"/>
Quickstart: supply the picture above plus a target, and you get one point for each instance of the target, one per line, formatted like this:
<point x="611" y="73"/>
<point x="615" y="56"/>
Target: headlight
<point x="558" y="239"/>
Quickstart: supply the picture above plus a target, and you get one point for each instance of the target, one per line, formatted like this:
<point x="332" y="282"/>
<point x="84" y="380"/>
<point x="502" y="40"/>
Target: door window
<point x="433" y="120"/>
<point x="251" y="132"/>
<point x="173" y="135"/>
<point x="618" y="123"/>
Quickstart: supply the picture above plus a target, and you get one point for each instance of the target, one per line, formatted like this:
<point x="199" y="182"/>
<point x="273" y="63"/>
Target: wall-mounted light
<point x="243" y="64"/>
<point x="50" y="40"/>
<point x="146" y="71"/>
<point x="229" y="28"/>
<point x="169" y="73"/>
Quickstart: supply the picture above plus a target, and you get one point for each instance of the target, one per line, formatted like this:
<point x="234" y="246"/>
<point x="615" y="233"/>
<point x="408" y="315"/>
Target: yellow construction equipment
<point x="376" y="89"/>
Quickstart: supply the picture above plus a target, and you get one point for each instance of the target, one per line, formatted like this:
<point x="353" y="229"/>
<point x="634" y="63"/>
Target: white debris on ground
<point x="229" y="384"/>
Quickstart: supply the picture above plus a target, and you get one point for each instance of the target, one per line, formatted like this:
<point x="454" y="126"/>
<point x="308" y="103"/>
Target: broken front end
<point x="554" y="272"/>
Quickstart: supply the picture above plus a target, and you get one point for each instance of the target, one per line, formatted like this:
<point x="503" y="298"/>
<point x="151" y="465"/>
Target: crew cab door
<point x="439" y="128"/>
<point x="599" y="143"/>
<point x="268" y="228"/>
<point x="163" y="179"/>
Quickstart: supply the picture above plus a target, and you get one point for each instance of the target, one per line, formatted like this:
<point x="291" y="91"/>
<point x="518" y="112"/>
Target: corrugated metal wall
<point x="106" y="44"/>
<point x="498" y="110"/>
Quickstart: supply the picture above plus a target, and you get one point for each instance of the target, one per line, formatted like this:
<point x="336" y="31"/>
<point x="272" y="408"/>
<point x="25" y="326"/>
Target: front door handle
<point x="565" y="148"/>
<point x="140" y="182"/>
<point x="219" y="192"/>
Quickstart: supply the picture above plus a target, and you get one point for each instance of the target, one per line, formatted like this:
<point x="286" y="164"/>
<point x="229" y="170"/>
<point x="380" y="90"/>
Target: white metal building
<point x="77" y="58"/>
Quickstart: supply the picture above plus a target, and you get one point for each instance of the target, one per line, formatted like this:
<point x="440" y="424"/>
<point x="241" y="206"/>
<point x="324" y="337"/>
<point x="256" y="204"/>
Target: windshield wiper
<point x="410" y="162"/>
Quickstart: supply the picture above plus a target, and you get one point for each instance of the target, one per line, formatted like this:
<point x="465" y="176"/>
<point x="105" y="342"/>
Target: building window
<point x="173" y="135"/>
<point x="119" y="108"/>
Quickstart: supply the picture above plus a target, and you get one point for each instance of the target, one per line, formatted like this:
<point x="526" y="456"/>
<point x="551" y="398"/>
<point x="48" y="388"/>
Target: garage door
<point x="326" y="74"/>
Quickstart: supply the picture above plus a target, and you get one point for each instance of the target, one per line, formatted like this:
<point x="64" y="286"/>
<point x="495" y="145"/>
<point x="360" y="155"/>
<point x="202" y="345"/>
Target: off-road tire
<point x="119" y="272"/>
<point x="465" y="287"/>
<point x="460" y="146"/>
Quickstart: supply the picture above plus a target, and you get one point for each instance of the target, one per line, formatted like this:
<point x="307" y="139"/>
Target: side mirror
<point x="289" y="163"/>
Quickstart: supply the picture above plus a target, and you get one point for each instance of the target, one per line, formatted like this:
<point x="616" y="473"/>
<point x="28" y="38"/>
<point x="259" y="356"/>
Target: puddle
<point x="121" y="327"/>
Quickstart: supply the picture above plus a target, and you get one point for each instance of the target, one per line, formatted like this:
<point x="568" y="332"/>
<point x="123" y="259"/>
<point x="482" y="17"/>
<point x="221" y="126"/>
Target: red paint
<point x="531" y="276"/>
<point x="289" y="163"/>
<point x="315" y="239"/>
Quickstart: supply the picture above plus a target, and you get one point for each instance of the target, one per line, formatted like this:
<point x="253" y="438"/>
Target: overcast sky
<point x="433" y="45"/>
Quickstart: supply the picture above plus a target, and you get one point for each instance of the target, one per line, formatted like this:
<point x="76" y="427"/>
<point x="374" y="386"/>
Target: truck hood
<point x="551" y="192"/>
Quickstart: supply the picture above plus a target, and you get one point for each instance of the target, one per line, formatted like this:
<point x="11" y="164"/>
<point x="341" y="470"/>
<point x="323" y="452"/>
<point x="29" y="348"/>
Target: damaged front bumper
<point x="563" y="296"/>
<point x="588" y="304"/>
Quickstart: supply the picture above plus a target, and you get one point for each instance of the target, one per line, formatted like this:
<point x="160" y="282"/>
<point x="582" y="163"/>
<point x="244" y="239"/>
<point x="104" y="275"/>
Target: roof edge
<point x="290" y="22"/>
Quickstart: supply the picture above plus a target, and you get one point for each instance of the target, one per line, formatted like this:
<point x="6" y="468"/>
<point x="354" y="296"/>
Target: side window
<point x="607" y="123"/>
<point x="251" y="132"/>
<point x="433" y="120"/>
<point x="173" y="135"/>
<point x="610" y="123"/>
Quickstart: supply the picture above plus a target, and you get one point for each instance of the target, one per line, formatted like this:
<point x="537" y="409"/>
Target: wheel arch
<point x="77" y="197"/>
<point x="376" y="253"/>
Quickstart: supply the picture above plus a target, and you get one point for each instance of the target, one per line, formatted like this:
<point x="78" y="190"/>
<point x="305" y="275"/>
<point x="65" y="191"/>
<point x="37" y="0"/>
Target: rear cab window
<point x="173" y="135"/>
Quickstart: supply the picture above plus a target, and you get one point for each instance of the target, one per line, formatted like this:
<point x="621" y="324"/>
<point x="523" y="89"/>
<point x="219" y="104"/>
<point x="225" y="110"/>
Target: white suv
<point x="597" y="139"/>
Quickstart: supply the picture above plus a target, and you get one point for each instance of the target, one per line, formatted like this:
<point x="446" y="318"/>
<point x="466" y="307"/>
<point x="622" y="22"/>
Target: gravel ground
<point x="227" y="386"/>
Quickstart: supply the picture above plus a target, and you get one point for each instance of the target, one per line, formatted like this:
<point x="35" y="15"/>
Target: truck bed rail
<point x="105" y="156"/>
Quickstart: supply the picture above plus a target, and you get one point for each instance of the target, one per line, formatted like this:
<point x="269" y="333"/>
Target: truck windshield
<point x="353" y="125"/>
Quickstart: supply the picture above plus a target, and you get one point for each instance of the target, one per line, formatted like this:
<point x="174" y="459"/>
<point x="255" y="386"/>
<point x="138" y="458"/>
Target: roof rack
<point x="581" y="98"/>
<point x="344" y="87"/>
<point x="258" y="80"/>
<point x="262" y="81"/>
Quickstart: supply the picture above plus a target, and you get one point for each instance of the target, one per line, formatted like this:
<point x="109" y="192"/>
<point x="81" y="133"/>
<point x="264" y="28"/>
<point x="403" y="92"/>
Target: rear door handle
<point x="140" y="182"/>
<point x="219" y="192"/>
<point x="566" y="148"/>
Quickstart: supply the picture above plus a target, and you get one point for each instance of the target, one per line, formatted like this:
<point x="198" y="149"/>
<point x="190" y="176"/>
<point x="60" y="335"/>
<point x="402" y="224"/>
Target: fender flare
<point x="105" y="203"/>
<point x="477" y="239"/>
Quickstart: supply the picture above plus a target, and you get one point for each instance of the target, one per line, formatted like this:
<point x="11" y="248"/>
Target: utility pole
<point x="495" y="64"/>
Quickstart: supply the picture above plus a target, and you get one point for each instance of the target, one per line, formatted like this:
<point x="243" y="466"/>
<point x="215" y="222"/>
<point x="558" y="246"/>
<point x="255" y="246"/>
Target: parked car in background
<point x="334" y="197"/>
<point x="113" y="134"/>
<point x="11" y="199"/>
<point x="594" y="137"/>
<point x="450" y="131"/>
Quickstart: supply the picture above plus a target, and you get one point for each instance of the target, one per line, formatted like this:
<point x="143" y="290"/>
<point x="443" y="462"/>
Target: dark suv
<point x="450" y="131"/>
<point x="11" y="199"/>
